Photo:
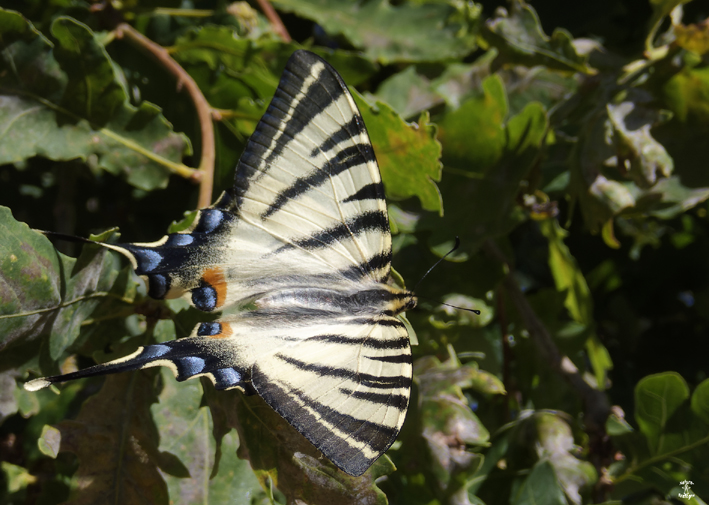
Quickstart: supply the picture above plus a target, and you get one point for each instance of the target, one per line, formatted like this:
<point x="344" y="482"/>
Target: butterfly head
<point x="410" y="301"/>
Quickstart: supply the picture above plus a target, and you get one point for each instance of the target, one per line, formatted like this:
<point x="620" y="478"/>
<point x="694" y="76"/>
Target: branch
<point x="596" y="407"/>
<point x="205" y="174"/>
<point x="275" y="20"/>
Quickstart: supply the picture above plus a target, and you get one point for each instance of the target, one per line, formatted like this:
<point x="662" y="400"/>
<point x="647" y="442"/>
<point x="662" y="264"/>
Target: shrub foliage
<point x="565" y="144"/>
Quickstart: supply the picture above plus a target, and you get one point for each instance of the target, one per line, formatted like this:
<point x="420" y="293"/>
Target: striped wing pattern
<point x="297" y="254"/>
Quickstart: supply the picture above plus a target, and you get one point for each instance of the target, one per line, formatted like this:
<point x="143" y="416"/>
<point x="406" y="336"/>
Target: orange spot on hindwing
<point x="226" y="331"/>
<point x="215" y="278"/>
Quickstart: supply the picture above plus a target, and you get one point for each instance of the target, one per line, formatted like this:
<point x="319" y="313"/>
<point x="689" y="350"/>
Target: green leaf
<point x="408" y="93"/>
<point x="700" y="401"/>
<point x="408" y="154"/>
<point x="541" y="486"/>
<point x="395" y="33"/>
<point x="556" y="445"/>
<point x="115" y="441"/>
<point x="567" y="275"/>
<point x="642" y="155"/>
<point x="92" y="91"/>
<point x="658" y="398"/>
<point x="520" y="39"/>
<point x="484" y="170"/>
<point x="17" y="477"/>
<point x="186" y="429"/>
<point x="65" y="102"/>
<point x="660" y="9"/>
<point x="453" y="316"/>
<point x="8" y="401"/>
<point x="254" y="65"/>
<point x="49" y="441"/>
<point x="282" y="457"/>
<point x="448" y="425"/>
<point x="47" y="293"/>
<point x="487" y="111"/>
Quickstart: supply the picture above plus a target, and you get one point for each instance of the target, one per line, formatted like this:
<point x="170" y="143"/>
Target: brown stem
<point x="205" y="174"/>
<point x="596" y="407"/>
<point x="274" y="19"/>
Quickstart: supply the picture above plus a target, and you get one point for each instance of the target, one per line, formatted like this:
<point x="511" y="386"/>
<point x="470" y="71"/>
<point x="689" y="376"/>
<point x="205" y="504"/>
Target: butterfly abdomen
<point x="378" y="299"/>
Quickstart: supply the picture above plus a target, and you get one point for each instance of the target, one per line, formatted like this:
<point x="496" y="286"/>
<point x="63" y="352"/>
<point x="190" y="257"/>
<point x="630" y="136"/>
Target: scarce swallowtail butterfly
<point x="301" y="245"/>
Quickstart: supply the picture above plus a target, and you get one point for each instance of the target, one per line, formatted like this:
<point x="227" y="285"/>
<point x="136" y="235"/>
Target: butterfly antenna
<point x="455" y="247"/>
<point x="474" y="311"/>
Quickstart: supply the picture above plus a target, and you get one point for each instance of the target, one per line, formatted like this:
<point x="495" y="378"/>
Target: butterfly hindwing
<point x="350" y="405"/>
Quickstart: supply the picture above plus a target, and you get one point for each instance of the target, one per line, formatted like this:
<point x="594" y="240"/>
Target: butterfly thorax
<point x="375" y="299"/>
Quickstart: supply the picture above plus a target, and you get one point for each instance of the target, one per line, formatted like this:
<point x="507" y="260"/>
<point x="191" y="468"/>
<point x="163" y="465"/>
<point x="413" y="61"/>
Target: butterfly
<point x="299" y="252"/>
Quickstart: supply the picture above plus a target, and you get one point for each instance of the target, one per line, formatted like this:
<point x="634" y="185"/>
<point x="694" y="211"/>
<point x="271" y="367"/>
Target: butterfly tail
<point x="186" y="358"/>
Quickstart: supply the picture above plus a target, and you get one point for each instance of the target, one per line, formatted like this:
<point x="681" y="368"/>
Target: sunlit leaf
<point x="408" y="154"/>
<point x="390" y="33"/>
<point x="519" y="38"/>
<point x="646" y="158"/>
<point x="556" y="445"/>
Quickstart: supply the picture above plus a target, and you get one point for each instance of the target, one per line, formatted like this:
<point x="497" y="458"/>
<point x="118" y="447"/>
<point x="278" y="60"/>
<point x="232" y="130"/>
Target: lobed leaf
<point x="115" y="441"/>
<point x="408" y="155"/>
<point x="410" y="32"/>
<point x="281" y="457"/>
<point x="45" y="293"/>
<point x="520" y="39"/>
<point x="64" y="101"/>
<point x="484" y="171"/>
<point x="200" y="473"/>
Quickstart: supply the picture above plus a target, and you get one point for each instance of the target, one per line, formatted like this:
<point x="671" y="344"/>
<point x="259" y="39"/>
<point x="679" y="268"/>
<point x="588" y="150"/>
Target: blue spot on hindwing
<point x="148" y="260"/>
<point x="189" y="366"/>
<point x="154" y="351"/>
<point x="180" y="239"/>
<point x="209" y="329"/>
<point x="205" y="298"/>
<point x="226" y="378"/>
<point x="158" y="286"/>
<point x="209" y="220"/>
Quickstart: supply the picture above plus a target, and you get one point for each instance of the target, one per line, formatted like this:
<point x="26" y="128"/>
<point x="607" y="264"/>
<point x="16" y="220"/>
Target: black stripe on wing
<point x="378" y="262"/>
<point x="373" y="191"/>
<point x="351" y="129"/>
<point x="372" y="381"/>
<point x="290" y="111"/>
<point x="342" y="160"/>
<point x="371" y="221"/>
<point x="399" y="402"/>
<point x="367" y="341"/>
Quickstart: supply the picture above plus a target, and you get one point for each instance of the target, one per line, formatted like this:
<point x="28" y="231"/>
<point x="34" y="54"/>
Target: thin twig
<point x="275" y="20"/>
<point x="506" y="354"/>
<point x="205" y="174"/>
<point x="596" y="407"/>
